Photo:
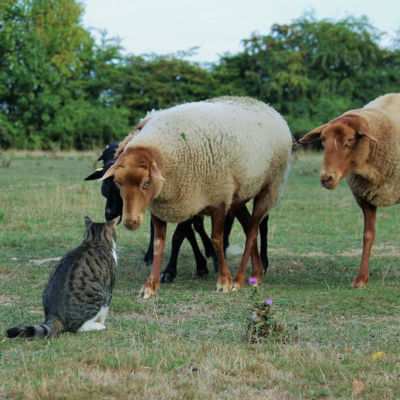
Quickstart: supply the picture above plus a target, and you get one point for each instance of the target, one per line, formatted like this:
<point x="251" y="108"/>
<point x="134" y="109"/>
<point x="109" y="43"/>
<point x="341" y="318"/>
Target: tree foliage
<point x="313" y="70"/>
<point x="59" y="88"/>
<point x="46" y="65"/>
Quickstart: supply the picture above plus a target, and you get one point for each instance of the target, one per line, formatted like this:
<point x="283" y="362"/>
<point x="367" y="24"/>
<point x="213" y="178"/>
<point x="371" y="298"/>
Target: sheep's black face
<point x="109" y="189"/>
<point x="113" y="199"/>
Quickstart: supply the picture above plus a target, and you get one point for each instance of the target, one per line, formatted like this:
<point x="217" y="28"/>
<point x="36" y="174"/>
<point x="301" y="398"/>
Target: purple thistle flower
<point x="252" y="281"/>
<point x="268" y="302"/>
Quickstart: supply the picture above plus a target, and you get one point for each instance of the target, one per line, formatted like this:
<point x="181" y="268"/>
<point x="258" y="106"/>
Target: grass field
<point x="189" y="342"/>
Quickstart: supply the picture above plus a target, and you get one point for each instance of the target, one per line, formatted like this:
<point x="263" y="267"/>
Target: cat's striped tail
<point x="48" y="328"/>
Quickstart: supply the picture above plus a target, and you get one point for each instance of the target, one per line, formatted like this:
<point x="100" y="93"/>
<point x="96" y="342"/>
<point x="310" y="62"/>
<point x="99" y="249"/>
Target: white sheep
<point x="363" y="145"/>
<point x="205" y="157"/>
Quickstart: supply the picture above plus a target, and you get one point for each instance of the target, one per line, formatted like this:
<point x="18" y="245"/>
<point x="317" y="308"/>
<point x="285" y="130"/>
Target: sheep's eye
<point x="349" y="142"/>
<point x="145" y="185"/>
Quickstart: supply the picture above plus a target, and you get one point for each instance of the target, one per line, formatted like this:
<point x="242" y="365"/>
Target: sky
<point x="218" y="26"/>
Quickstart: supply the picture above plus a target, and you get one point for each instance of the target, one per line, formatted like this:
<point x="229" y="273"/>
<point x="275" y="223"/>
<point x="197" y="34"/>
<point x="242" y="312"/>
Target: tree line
<point x="62" y="89"/>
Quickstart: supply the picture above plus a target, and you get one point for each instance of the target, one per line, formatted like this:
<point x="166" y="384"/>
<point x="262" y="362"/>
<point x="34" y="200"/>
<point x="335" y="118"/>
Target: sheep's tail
<point x="49" y="328"/>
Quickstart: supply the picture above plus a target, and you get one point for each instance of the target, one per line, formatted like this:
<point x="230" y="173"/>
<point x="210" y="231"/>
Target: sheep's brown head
<point x="346" y="143"/>
<point x="137" y="174"/>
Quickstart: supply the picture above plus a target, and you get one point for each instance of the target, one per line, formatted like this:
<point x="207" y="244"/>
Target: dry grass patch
<point x="8" y="300"/>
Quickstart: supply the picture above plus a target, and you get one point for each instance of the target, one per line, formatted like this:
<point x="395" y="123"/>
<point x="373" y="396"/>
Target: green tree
<point x="46" y="64"/>
<point x="59" y="88"/>
<point x="312" y="70"/>
<point x="158" y="82"/>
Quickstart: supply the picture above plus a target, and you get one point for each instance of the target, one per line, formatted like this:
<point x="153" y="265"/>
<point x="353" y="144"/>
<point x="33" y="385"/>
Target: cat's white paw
<point x="97" y="322"/>
<point x="91" y="326"/>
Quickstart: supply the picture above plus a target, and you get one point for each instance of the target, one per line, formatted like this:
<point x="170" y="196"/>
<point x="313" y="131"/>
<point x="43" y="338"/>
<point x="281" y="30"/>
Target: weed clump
<point x="262" y="323"/>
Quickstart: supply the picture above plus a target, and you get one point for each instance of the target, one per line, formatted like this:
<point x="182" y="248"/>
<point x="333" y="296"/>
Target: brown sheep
<point x="363" y="146"/>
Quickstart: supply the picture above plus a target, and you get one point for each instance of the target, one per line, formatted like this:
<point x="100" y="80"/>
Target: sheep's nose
<point x="132" y="224"/>
<point x="328" y="180"/>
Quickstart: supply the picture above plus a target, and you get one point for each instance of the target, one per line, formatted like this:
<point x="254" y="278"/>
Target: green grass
<point x="189" y="342"/>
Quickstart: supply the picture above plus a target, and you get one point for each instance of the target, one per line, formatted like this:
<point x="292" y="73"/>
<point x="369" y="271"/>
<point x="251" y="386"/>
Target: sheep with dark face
<point x="363" y="146"/>
<point x="109" y="190"/>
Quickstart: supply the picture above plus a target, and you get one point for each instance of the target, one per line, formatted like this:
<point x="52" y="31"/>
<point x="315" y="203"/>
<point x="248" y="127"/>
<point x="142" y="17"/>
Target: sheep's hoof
<point x="148" y="258"/>
<point x="224" y="285"/>
<point x="215" y="264"/>
<point x="238" y="283"/>
<point x="360" y="282"/>
<point x="147" y="291"/>
<point x="168" y="277"/>
<point x="202" y="270"/>
<point x="202" y="273"/>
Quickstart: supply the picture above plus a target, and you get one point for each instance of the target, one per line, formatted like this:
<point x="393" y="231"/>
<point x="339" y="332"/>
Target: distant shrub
<point x="82" y="125"/>
<point x="8" y="133"/>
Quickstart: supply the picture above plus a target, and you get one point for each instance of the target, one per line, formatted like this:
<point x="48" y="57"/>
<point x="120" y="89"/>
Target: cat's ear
<point x="113" y="222"/>
<point x="88" y="221"/>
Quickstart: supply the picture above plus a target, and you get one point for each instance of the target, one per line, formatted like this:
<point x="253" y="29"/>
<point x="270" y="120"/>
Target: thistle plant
<point x="261" y="322"/>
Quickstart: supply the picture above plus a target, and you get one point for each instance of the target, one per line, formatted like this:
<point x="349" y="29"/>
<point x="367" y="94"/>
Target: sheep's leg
<point x="153" y="281"/>
<point x="262" y="203"/>
<point x="182" y="231"/>
<point x="250" y="249"/>
<point x="251" y="241"/>
<point x="224" y="281"/>
<point x="244" y="218"/>
<point x="264" y="243"/>
<point x="198" y="223"/>
<point x="169" y="274"/>
<point x="201" y="262"/>
<point x="148" y="257"/>
<point x="227" y="229"/>
<point x="369" y="212"/>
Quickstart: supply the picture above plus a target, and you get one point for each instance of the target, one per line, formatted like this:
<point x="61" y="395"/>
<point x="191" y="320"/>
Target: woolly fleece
<point x="378" y="180"/>
<point x="223" y="150"/>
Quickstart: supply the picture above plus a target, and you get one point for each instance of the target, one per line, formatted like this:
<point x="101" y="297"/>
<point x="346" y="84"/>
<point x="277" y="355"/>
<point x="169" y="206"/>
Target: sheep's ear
<point x="109" y="173"/>
<point x="96" y="174"/>
<point x="155" y="172"/>
<point x="360" y="125"/>
<point x="312" y="135"/>
<point x="368" y="135"/>
<point x="157" y="178"/>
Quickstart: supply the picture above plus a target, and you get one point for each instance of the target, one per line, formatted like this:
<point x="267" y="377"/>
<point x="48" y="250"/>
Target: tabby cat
<point x="79" y="291"/>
